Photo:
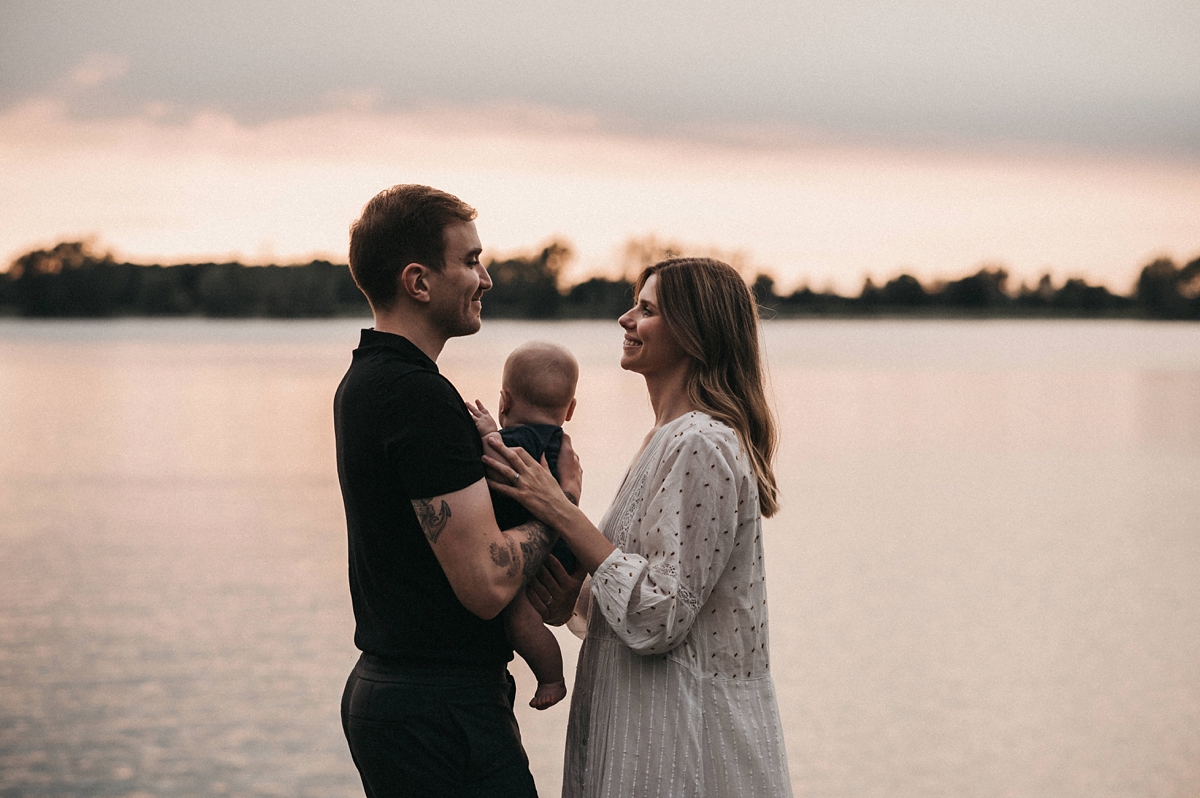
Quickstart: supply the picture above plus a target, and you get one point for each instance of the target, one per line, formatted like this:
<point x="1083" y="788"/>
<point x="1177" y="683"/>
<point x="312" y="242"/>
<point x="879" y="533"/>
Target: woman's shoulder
<point x="700" y="424"/>
<point x="703" y="433"/>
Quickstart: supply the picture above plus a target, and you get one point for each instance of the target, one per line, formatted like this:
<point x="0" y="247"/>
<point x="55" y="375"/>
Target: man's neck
<point x="413" y="328"/>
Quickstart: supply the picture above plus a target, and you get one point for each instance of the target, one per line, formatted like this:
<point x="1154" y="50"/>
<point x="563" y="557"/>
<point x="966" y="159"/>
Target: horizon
<point x="635" y="252"/>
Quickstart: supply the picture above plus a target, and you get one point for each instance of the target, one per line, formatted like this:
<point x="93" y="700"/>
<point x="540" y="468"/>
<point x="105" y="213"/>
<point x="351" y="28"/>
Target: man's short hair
<point x="399" y="226"/>
<point x="542" y="374"/>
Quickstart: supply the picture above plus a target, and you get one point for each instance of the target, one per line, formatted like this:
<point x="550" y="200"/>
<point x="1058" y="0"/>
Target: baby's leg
<point x="537" y="646"/>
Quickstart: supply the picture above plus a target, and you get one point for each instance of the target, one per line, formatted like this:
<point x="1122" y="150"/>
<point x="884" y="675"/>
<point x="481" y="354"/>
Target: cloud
<point x="1117" y="75"/>
<point x="99" y="68"/>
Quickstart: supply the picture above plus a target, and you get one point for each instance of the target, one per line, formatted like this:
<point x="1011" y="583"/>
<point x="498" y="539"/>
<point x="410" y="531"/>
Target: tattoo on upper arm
<point x="433" y="522"/>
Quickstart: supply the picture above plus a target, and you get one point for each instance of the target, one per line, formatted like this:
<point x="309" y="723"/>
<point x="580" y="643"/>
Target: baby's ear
<point x="505" y="402"/>
<point x="570" y="410"/>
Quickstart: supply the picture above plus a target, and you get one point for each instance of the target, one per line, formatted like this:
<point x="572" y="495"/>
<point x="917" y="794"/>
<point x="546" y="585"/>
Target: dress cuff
<point x="613" y="585"/>
<point x="608" y="563"/>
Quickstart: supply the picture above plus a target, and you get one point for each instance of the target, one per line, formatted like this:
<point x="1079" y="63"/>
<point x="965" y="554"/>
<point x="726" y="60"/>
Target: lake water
<point x="985" y="580"/>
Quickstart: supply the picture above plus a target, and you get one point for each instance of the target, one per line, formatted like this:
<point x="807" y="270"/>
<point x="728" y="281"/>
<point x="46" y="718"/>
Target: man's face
<point x="456" y="291"/>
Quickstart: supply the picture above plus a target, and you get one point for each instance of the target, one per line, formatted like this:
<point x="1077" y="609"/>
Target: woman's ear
<point x="414" y="282"/>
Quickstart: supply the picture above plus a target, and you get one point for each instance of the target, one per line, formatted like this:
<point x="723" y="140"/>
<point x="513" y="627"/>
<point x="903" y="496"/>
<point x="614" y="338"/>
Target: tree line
<point x="70" y="280"/>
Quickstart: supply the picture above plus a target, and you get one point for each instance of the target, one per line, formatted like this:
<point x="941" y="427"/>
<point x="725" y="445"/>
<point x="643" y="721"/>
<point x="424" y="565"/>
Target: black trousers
<point x="418" y="732"/>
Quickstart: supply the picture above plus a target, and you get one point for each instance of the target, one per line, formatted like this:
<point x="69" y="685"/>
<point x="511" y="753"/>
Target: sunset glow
<point x="286" y="190"/>
<point x="823" y="142"/>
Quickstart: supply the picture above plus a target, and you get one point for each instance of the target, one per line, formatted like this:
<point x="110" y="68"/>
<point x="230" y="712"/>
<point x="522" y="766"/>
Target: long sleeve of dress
<point x="688" y="523"/>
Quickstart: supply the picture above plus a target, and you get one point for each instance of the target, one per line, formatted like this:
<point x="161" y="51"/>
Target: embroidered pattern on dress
<point x="625" y="521"/>
<point x="688" y="598"/>
<point x="669" y="570"/>
<point x="664" y="568"/>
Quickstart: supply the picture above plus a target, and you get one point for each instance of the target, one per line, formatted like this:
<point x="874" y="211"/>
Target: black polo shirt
<point x="403" y="433"/>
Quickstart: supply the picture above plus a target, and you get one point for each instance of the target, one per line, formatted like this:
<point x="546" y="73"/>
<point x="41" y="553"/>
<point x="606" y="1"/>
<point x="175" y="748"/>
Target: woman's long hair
<point x="713" y="316"/>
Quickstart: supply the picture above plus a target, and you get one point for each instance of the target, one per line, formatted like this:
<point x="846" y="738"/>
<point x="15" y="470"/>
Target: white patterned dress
<point x="673" y="693"/>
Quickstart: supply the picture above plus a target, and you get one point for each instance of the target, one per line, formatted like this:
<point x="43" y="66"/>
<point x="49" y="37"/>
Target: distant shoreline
<point x="71" y="281"/>
<point x="767" y="317"/>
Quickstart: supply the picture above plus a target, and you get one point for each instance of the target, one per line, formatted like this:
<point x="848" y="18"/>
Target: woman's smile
<point x="648" y="346"/>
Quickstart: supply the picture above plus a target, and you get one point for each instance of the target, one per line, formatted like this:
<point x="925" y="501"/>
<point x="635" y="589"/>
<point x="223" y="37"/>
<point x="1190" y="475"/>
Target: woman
<point x="673" y="695"/>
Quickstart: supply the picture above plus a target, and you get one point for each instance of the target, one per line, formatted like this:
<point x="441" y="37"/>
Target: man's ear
<point x="414" y="281"/>
<point x="506" y="402"/>
<point x="570" y="410"/>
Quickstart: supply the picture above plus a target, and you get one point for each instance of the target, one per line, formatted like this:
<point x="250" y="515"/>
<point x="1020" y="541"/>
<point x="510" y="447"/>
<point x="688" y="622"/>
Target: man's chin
<point x="460" y="327"/>
<point x="470" y="325"/>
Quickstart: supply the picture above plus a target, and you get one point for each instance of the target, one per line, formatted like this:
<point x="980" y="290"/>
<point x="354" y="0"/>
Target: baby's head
<point x="538" y="385"/>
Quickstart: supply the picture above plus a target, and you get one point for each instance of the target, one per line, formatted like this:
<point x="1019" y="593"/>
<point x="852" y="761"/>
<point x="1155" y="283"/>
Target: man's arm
<point x="486" y="565"/>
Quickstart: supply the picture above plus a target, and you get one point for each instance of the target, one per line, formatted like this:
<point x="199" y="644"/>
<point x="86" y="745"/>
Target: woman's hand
<point x="554" y="592"/>
<point x="517" y="475"/>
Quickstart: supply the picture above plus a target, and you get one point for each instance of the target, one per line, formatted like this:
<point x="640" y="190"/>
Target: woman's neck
<point x="668" y="395"/>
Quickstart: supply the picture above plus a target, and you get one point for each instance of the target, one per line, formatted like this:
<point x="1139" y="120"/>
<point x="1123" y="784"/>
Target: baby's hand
<point x="483" y="419"/>
<point x="486" y="426"/>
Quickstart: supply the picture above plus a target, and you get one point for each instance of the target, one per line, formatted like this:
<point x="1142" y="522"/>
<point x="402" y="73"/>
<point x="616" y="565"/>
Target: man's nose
<point x="485" y="279"/>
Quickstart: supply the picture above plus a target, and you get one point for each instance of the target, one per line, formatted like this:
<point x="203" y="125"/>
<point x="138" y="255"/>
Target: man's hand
<point x="554" y="591"/>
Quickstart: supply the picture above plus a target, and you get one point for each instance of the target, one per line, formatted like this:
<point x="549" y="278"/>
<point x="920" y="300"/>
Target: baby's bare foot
<point x="548" y="695"/>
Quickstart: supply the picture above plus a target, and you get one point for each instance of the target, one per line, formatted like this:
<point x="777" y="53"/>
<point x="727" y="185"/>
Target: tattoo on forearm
<point x="433" y="522"/>
<point x="506" y="556"/>
<point x="535" y="548"/>
<point x="527" y="556"/>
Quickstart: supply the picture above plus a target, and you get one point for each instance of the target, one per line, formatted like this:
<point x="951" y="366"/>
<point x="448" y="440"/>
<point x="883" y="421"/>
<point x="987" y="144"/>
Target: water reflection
<point x="985" y="578"/>
<point x="1168" y="409"/>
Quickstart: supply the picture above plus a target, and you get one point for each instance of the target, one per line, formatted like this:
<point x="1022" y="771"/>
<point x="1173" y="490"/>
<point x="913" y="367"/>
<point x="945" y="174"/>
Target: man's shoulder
<point x="385" y="400"/>
<point x="389" y="372"/>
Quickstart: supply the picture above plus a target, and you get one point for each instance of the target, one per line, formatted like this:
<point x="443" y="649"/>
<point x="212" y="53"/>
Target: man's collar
<point x="372" y="338"/>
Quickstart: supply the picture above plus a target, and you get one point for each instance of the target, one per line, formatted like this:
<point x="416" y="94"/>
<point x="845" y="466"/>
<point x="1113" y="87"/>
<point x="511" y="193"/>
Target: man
<point x="428" y="708"/>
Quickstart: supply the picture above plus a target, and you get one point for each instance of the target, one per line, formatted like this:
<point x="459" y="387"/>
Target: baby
<point x="537" y="395"/>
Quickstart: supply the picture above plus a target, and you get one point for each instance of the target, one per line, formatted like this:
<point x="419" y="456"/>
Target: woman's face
<point x="649" y="346"/>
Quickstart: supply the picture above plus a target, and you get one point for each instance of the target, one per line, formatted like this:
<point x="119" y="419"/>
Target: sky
<point x="819" y="141"/>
